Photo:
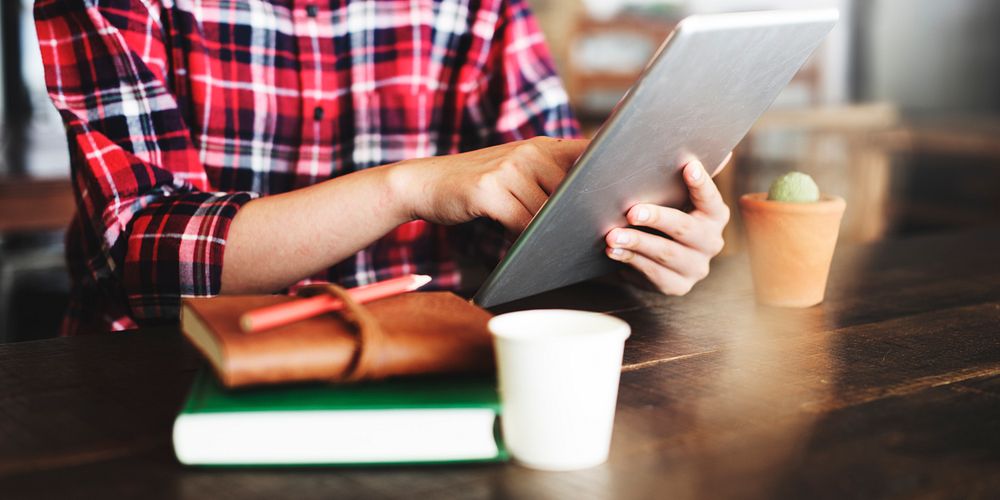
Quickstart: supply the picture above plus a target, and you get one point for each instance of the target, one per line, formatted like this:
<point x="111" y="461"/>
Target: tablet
<point x="699" y="95"/>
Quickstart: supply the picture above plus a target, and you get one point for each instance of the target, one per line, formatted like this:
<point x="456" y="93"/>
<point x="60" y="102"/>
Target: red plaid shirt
<point x="179" y="112"/>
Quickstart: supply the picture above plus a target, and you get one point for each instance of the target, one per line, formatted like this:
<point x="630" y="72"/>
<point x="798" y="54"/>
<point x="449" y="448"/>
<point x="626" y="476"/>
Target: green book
<point x="414" y="420"/>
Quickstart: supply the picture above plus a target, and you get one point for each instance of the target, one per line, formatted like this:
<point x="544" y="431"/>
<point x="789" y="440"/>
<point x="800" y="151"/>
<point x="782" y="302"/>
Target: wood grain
<point x="889" y="389"/>
<point x="35" y="204"/>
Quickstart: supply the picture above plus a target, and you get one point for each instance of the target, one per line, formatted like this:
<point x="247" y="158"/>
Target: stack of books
<point x="290" y="395"/>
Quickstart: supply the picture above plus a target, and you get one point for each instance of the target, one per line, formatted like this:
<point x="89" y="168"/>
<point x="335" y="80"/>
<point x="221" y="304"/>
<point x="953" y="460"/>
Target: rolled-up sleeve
<point x="157" y="228"/>
<point x="175" y="249"/>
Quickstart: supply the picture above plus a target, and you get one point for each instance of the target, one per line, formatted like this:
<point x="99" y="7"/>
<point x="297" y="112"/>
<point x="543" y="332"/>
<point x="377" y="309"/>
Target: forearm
<point x="277" y="240"/>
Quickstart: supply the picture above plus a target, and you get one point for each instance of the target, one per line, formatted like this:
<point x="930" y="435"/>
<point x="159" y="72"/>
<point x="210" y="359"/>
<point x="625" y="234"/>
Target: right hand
<point x="507" y="183"/>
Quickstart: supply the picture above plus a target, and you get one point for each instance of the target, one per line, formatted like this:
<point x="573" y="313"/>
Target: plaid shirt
<point x="179" y="112"/>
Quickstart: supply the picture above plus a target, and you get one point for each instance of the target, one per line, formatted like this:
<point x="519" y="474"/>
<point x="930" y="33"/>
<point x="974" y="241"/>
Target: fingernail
<point x="617" y="253"/>
<point x="621" y="238"/>
<point x="642" y="215"/>
<point x="696" y="171"/>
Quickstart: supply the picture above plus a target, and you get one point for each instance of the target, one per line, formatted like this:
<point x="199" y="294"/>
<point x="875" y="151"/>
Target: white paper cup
<point x="558" y="373"/>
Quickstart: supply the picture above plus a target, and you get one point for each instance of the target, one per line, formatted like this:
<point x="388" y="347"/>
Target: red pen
<point x="297" y="310"/>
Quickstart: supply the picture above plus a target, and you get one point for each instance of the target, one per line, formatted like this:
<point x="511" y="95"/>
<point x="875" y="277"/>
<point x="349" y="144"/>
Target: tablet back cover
<point x="700" y="94"/>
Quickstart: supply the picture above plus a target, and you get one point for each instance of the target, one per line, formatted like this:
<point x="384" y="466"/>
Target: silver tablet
<point x="699" y="95"/>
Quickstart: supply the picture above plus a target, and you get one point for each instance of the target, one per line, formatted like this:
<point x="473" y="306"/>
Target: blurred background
<point x="898" y="112"/>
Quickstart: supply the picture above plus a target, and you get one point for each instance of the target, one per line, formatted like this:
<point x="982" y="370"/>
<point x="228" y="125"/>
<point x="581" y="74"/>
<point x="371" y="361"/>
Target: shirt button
<point x="318" y="113"/>
<point x="311" y="10"/>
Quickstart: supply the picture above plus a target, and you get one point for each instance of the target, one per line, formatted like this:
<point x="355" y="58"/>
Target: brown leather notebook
<point x="409" y="334"/>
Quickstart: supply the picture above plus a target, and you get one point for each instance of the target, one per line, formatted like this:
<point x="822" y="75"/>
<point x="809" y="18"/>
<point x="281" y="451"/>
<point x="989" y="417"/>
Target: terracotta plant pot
<point x="791" y="247"/>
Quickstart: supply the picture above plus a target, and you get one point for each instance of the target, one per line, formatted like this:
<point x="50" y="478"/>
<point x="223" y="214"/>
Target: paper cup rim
<point x="521" y="326"/>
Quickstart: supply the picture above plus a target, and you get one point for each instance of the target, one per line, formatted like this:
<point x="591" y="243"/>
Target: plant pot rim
<point x="758" y="202"/>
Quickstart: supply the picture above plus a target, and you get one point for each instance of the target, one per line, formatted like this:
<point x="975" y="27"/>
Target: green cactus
<point x="794" y="187"/>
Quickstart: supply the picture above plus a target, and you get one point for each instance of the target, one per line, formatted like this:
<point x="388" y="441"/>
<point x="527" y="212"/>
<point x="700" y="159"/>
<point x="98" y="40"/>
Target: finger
<point x="564" y="151"/>
<point x="685" y="228"/>
<point x="549" y="176"/>
<point x="511" y="213"/>
<point x="667" y="253"/>
<point x="664" y="279"/>
<point x="529" y="193"/>
<point x="703" y="191"/>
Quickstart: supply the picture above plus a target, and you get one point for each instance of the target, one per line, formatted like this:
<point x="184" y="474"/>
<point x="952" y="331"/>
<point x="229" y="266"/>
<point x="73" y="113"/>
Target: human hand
<point x="674" y="265"/>
<point x="507" y="183"/>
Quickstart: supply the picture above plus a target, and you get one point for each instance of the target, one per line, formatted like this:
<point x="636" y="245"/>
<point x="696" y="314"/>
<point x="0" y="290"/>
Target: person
<point x="255" y="146"/>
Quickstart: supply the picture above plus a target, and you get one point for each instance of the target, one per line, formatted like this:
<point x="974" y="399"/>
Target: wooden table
<point x="891" y="388"/>
<point x="35" y="204"/>
<point x="29" y="205"/>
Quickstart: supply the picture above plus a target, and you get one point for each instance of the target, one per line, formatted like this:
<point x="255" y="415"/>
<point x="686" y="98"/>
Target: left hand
<point x="674" y="265"/>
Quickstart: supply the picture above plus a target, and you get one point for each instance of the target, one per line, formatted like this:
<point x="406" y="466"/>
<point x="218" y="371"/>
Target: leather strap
<point x="371" y="338"/>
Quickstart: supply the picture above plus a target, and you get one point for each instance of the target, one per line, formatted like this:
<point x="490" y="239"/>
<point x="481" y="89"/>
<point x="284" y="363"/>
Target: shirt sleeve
<point x="155" y="229"/>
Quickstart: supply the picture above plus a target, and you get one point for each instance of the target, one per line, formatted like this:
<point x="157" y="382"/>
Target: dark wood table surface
<point x="890" y="388"/>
